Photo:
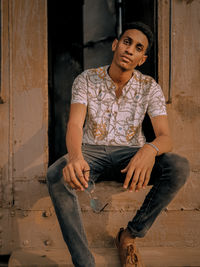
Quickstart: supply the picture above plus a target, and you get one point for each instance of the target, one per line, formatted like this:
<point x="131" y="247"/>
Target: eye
<point x="127" y="41"/>
<point x="139" y="48"/>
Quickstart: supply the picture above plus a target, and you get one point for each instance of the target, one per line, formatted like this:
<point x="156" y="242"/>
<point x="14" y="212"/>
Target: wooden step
<point x="104" y="257"/>
<point x="34" y="225"/>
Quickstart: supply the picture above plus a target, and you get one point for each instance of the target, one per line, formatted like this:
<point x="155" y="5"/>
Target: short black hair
<point x="137" y="25"/>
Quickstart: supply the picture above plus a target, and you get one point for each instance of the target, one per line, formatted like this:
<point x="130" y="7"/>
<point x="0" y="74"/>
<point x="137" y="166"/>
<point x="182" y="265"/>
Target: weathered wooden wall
<point x="185" y="68"/>
<point x="24" y="113"/>
<point x="184" y="105"/>
<point x="27" y="218"/>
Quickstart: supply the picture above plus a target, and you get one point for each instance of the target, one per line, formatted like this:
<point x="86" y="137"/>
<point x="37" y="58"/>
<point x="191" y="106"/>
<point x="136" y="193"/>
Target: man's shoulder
<point x="100" y="71"/>
<point x="143" y="78"/>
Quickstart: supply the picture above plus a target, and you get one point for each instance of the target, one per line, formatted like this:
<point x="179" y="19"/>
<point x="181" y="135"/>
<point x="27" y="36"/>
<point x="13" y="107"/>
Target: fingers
<point x="124" y="170"/>
<point x="86" y="173"/>
<point x="128" y="177"/>
<point x="71" y="179"/>
<point x="136" y="179"/>
<point x="68" y="179"/>
<point x="81" y="176"/>
<point x="140" y="181"/>
<point x="132" y="175"/>
<point x="147" y="178"/>
<point x="76" y="175"/>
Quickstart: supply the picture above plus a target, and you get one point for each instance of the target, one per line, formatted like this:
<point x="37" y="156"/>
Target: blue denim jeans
<point x="169" y="174"/>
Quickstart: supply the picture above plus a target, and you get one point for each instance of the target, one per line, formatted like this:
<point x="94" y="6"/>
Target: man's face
<point x="129" y="51"/>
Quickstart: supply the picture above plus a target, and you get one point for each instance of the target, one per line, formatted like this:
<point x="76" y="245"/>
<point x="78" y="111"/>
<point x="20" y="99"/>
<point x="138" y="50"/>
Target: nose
<point x="129" y="51"/>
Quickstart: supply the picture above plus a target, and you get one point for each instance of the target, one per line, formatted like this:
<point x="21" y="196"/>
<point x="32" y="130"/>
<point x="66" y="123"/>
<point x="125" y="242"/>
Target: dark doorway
<point x="146" y="12"/>
<point x="65" y="40"/>
<point x="65" y="43"/>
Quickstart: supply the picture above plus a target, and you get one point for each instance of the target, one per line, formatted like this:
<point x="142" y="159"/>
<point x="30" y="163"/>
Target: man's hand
<point x="76" y="174"/>
<point x="139" y="169"/>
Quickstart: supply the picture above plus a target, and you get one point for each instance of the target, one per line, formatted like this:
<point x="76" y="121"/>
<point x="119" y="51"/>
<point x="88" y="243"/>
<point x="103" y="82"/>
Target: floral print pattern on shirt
<point x="116" y="121"/>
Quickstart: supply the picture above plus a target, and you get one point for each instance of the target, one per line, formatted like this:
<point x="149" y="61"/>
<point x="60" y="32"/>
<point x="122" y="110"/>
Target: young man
<point x="104" y="137"/>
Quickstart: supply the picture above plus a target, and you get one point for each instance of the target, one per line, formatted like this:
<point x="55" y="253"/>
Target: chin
<point x="124" y="67"/>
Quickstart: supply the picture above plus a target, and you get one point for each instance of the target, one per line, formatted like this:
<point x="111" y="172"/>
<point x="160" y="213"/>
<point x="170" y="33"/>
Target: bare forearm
<point x="163" y="139"/>
<point x="76" y="172"/>
<point x="163" y="143"/>
<point x="138" y="171"/>
<point x="74" y="141"/>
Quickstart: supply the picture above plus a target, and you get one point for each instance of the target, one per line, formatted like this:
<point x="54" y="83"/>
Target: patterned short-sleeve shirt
<point x="116" y="121"/>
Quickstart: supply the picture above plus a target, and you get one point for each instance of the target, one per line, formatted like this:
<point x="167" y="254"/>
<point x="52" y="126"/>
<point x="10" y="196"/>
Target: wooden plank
<point x="185" y="107"/>
<point x="185" y="62"/>
<point x="36" y="229"/>
<point x="107" y="257"/>
<point x="29" y="85"/>
<point x="6" y="196"/>
<point x="163" y="45"/>
<point x="111" y="192"/>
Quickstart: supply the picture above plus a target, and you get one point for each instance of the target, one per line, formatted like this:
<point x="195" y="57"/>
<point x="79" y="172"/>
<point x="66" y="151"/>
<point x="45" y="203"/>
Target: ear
<point x="114" y="44"/>
<point x="143" y="59"/>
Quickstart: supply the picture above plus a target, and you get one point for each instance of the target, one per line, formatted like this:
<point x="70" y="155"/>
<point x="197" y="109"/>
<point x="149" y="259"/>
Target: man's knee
<point x="180" y="170"/>
<point x="51" y="175"/>
<point x="54" y="172"/>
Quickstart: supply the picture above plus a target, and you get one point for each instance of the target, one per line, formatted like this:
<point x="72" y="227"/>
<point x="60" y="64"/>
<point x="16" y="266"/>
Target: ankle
<point x="126" y="236"/>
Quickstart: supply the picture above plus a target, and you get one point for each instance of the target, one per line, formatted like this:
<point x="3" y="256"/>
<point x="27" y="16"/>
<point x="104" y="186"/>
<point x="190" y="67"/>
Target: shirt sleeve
<point x="157" y="103"/>
<point x="79" y="90"/>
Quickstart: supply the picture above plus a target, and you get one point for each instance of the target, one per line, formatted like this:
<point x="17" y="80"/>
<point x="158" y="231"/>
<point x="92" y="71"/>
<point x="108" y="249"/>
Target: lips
<point x="125" y="58"/>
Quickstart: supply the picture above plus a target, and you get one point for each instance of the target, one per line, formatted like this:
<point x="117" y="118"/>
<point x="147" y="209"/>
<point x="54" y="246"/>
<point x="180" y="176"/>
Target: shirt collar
<point x="111" y="82"/>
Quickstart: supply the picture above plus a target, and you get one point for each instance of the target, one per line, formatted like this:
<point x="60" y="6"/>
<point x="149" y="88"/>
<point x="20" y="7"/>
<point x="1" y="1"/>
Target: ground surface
<point x="152" y="257"/>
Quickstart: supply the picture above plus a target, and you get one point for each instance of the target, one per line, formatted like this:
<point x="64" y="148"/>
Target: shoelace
<point x="131" y="256"/>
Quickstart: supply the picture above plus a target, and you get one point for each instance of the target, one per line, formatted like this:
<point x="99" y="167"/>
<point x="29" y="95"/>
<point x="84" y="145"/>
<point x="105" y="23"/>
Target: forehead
<point x="136" y="36"/>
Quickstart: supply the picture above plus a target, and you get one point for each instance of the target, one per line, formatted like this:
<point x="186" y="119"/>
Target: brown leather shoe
<point x="128" y="253"/>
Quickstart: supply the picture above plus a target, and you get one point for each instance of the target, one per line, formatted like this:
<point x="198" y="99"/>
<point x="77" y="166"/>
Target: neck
<point x="119" y="76"/>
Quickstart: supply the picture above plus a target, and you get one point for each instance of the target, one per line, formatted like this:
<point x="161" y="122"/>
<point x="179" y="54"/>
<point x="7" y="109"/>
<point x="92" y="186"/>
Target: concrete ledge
<point x="152" y="257"/>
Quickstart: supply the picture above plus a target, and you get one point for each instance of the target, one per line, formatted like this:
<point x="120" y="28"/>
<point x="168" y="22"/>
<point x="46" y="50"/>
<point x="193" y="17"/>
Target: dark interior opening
<point x="146" y="12"/>
<point x="65" y="54"/>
